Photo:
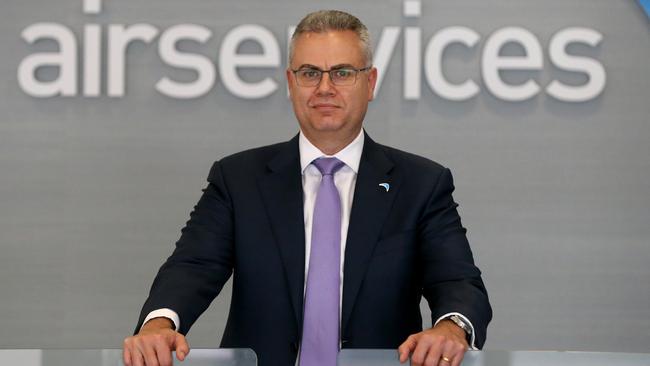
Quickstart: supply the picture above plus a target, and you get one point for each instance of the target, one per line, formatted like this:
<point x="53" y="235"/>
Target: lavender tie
<point x="320" y="330"/>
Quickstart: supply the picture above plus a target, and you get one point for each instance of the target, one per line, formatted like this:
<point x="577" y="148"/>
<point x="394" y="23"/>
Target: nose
<point x="325" y="85"/>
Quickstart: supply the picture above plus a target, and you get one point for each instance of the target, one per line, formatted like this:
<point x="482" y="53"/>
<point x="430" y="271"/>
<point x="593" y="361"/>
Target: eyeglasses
<point x="343" y="76"/>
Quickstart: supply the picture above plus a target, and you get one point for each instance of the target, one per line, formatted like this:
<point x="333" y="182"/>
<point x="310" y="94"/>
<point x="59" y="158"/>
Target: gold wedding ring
<point x="446" y="359"/>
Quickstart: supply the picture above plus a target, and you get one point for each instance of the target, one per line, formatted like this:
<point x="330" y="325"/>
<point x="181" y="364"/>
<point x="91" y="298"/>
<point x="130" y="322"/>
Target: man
<point x="331" y="238"/>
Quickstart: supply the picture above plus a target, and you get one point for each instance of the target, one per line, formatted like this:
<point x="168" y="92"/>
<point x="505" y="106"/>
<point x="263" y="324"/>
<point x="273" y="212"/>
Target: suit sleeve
<point x="202" y="261"/>
<point x="451" y="280"/>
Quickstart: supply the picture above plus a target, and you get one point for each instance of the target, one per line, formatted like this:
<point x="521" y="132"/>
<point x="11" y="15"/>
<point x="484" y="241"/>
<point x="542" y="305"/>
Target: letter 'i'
<point x="412" y="51"/>
<point x="92" y="51"/>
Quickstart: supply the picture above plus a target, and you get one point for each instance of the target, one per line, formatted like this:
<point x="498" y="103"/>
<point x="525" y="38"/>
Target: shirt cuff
<point x="472" y="344"/>
<point x="164" y="313"/>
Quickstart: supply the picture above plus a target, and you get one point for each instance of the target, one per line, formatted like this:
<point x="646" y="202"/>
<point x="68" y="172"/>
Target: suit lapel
<point x="370" y="208"/>
<point x="282" y="193"/>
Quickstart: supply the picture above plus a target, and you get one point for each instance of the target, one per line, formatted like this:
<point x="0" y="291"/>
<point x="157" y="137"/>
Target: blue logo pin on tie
<point x="385" y="185"/>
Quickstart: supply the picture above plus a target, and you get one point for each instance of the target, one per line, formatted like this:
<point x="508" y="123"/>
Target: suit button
<point x="294" y="346"/>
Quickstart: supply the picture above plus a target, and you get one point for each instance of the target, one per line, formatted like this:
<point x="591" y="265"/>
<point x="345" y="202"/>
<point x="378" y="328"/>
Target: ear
<point x="289" y="74"/>
<point x="290" y="82"/>
<point x="372" y="82"/>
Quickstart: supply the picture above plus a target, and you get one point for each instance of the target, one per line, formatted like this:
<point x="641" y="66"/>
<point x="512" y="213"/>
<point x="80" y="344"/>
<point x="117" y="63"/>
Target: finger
<point x="148" y="353"/>
<point x="163" y="353"/>
<point x="182" y="348"/>
<point x="446" y="356"/>
<point x="405" y="348"/>
<point x="126" y="354"/>
<point x="458" y="358"/>
<point x="454" y="350"/>
<point x="421" y="350"/>
<point x="137" y="358"/>
<point x="433" y="357"/>
<point x="438" y="359"/>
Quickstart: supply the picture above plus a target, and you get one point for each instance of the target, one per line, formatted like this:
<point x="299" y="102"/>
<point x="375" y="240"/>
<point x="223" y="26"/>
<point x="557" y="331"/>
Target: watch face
<point x="459" y="321"/>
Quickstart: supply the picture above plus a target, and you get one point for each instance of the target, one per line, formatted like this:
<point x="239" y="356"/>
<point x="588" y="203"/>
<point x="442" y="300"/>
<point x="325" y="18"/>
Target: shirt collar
<point x="350" y="155"/>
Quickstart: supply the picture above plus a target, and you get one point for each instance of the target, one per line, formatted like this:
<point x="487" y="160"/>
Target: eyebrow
<point x="335" y="67"/>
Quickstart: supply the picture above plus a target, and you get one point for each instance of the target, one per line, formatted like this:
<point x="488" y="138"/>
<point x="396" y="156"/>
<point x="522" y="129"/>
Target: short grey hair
<point x="323" y="21"/>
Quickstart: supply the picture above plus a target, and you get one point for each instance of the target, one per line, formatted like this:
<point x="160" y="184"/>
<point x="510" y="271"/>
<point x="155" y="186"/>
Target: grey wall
<point x="556" y="195"/>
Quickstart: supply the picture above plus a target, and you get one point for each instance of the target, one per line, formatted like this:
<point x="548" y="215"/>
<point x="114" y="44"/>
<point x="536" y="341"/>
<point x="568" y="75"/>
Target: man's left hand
<point x="443" y="345"/>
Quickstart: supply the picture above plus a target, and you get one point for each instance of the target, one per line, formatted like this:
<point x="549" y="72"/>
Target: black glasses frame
<point x="329" y="72"/>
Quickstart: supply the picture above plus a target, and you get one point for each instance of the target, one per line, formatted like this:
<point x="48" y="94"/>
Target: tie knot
<point x="328" y="166"/>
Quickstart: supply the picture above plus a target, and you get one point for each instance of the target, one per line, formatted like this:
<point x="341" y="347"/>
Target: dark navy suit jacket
<point x="402" y="244"/>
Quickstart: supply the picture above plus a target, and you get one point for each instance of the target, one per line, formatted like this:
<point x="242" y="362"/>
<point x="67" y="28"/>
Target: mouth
<point x="325" y="106"/>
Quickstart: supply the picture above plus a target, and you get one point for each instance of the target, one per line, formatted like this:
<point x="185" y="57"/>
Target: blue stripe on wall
<point x="646" y="6"/>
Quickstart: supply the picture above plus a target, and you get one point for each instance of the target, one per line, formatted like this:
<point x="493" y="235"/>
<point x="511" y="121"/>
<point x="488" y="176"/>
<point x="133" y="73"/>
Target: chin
<point x="328" y="126"/>
<point x="325" y="123"/>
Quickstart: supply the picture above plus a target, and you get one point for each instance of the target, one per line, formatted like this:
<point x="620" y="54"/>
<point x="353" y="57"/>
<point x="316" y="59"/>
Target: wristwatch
<point x="463" y="325"/>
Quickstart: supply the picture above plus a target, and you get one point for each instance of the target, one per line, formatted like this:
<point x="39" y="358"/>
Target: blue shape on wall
<point x="645" y="4"/>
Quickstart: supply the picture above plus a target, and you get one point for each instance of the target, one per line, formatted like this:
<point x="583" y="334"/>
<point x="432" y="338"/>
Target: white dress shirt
<point x="344" y="180"/>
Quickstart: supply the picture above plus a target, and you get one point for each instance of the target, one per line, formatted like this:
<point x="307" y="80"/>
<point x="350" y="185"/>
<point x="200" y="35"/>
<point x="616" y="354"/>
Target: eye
<point x="309" y="74"/>
<point x="343" y="73"/>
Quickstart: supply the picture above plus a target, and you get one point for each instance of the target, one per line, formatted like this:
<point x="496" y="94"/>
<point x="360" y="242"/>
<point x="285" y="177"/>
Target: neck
<point x="331" y="143"/>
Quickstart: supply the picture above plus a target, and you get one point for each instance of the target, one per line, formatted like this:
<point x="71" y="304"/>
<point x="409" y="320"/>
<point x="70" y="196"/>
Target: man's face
<point x="327" y="109"/>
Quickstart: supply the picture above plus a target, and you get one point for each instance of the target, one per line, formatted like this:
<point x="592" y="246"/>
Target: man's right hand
<point x="153" y="345"/>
